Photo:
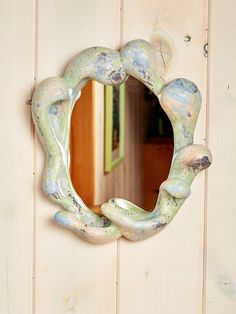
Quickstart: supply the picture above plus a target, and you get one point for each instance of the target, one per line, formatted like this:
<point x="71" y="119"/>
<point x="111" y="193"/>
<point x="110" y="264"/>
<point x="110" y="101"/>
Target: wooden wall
<point x="190" y="268"/>
<point x="220" y="235"/>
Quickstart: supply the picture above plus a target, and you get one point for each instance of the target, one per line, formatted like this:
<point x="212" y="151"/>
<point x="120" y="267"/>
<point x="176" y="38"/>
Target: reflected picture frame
<point x="114" y="128"/>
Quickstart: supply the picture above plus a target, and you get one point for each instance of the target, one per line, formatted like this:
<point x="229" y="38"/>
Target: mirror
<point x="52" y="106"/>
<point x="148" y="144"/>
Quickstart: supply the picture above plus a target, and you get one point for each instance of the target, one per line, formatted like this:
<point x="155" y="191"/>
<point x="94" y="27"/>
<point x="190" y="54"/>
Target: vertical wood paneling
<point x="221" y="216"/>
<point x="71" y="276"/>
<point x="164" y="274"/>
<point x="16" y="156"/>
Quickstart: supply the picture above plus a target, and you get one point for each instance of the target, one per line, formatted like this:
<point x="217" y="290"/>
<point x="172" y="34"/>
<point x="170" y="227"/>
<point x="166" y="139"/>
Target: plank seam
<point x="118" y="277"/>
<point x="118" y="241"/>
<point x="36" y="4"/>
<point x="207" y="112"/>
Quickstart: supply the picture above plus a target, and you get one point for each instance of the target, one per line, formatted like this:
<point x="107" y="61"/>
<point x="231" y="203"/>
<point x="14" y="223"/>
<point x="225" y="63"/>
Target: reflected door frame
<point x="82" y="166"/>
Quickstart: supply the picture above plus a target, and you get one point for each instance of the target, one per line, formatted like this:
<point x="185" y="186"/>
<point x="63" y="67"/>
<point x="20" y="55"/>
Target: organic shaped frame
<point x="52" y="107"/>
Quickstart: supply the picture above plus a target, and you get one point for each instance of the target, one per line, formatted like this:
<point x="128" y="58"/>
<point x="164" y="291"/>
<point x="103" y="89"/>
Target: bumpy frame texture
<point x="52" y="107"/>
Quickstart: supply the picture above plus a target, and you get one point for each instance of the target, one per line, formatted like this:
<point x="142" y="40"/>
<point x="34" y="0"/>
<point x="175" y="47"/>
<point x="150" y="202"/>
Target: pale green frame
<point x="52" y="106"/>
<point x="110" y="164"/>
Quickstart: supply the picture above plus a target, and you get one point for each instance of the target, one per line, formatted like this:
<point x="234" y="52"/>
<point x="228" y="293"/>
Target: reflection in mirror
<point x="147" y="153"/>
<point x="82" y="146"/>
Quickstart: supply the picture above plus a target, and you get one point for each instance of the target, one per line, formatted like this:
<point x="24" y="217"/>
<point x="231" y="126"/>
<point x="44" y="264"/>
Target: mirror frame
<point x="52" y="106"/>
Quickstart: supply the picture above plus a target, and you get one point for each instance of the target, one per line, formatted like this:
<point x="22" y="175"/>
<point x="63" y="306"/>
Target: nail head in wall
<point x="187" y="38"/>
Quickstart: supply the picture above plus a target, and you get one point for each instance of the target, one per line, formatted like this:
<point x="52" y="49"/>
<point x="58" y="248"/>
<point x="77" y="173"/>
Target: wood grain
<point x="16" y="156"/>
<point x="164" y="274"/>
<point x="221" y="214"/>
<point x="46" y="269"/>
<point x="71" y="275"/>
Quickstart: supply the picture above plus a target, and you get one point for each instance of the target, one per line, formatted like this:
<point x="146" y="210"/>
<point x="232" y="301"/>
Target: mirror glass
<point x="107" y="118"/>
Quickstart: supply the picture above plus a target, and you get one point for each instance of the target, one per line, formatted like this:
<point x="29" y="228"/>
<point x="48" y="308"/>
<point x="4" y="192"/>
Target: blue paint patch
<point x="140" y="60"/>
<point x="50" y="187"/>
<point x="186" y="85"/>
<point x="53" y="110"/>
<point x="62" y="219"/>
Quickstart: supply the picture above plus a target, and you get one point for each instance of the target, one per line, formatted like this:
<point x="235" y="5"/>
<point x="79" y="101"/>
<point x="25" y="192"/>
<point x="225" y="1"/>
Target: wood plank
<point x="71" y="275"/>
<point x="221" y="215"/>
<point x="164" y="274"/>
<point x="16" y="151"/>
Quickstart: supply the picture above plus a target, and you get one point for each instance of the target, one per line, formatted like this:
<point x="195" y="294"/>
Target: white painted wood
<point x="164" y="274"/>
<point x="221" y="215"/>
<point x="16" y="156"/>
<point x="71" y="276"/>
